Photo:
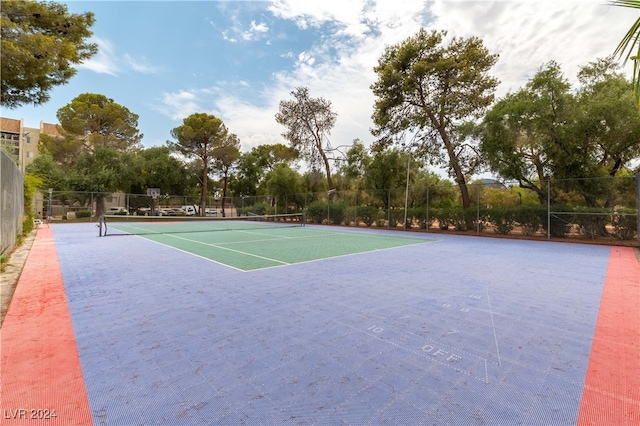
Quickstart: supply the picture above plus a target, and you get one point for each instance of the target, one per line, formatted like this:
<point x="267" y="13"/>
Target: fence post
<point x="477" y="209"/>
<point x="428" y="222"/>
<point x="388" y="208"/>
<point x="638" y="207"/>
<point x="548" y="209"/>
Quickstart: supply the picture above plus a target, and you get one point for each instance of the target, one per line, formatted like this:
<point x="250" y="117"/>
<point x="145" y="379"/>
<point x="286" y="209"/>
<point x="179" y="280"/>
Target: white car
<point x="117" y="210"/>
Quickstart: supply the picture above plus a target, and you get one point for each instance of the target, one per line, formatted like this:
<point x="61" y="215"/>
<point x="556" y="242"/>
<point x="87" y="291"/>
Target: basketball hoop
<point x="153" y="193"/>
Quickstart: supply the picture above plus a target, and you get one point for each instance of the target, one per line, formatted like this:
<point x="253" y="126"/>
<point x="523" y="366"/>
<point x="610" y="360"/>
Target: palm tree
<point x="629" y="43"/>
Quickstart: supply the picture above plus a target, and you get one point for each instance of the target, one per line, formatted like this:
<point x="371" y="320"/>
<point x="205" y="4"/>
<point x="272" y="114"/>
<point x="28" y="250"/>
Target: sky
<point x="165" y="60"/>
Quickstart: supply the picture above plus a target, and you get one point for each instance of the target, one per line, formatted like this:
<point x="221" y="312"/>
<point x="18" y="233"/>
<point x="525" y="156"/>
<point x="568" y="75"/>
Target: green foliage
<point x="530" y="218"/>
<point x="430" y="89"/>
<point x="40" y="44"/>
<point x="630" y="44"/>
<point x="559" y="224"/>
<point x="592" y="221"/>
<point x="503" y="219"/>
<point x="81" y="214"/>
<point x="94" y="121"/>
<point x="155" y="167"/>
<point x="337" y="212"/>
<point x="625" y="224"/>
<point x="317" y="211"/>
<point x="571" y="136"/>
<point x="198" y="137"/>
<point x="281" y="182"/>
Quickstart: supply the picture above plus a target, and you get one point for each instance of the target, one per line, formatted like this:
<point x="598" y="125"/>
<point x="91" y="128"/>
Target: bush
<point x="559" y="225"/>
<point x="82" y="214"/>
<point x="396" y="216"/>
<point x="503" y="219"/>
<point x="368" y="214"/>
<point x="625" y="224"/>
<point x="336" y="212"/>
<point x="530" y="218"/>
<point x="592" y="221"/>
<point x="317" y="211"/>
<point x="442" y="216"/>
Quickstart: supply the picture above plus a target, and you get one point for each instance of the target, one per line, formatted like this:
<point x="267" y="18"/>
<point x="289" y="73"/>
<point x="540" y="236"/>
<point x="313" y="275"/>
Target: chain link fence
<point x="590" y="208"/>
<point x="12" y="208"/>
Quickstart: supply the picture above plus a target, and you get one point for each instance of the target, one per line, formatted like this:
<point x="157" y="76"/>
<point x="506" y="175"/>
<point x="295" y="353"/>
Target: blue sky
<point x="165" y="60"/>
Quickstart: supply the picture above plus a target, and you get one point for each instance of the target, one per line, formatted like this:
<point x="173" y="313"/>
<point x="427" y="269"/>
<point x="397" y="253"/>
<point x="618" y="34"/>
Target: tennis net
<point x="145" y="225"/>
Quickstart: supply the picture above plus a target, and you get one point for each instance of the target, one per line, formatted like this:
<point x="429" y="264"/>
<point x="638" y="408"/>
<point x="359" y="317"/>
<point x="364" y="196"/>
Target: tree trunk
<point x="328" y="171"/>
<point x="100" y="208"/>
<point x="224" y="192"/>
<point x="457" y="170"/>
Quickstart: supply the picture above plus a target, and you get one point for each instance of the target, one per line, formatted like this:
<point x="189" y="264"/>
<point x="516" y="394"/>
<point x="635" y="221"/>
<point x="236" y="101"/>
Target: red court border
<point x="40" y="373"/>
<point x="611" y="394"/>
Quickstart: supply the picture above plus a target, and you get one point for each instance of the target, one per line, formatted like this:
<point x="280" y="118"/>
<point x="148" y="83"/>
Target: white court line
<point x="415" y="241"/>
<point x="230" y="249"/>
<point x="493" y="325"/>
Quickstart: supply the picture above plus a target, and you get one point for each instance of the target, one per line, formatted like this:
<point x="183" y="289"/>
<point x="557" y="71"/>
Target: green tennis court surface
<point x="251" y="249"/>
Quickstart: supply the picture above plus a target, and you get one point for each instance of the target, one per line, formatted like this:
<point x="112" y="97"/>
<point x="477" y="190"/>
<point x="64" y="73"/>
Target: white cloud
<point x="256" y="31"/>
<point x="339" y="67"/>
<point x="140" y="65"/>
<point x="179" y="105"/>
<point x="526" y="34"/>
<point x="108" y="61"/>
<point x="103" y="62"/>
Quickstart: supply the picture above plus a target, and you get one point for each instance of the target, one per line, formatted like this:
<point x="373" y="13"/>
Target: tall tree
<point x="426" y="90"/>
<point x="198" y="136"/>
<point x="282" y="183"/>
<point x="155" y="167"/>
<point x="355" y="165"/>
<point x="522" y="132"/>
<point x="308" y="122"/>
<point x="40" y="44"/>
<point x="96" y="134"/>
<point x="226" y="156"/>
<point x="629" y="46"/>
<point x="92" y="120"/>
<point x="252" y="167"/>
<point x="548" y="130"/>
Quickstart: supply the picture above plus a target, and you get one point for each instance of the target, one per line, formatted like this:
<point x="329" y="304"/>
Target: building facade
<point x="20" y="142"/>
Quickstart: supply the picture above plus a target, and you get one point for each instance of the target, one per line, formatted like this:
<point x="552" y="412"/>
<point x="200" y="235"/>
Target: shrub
<point x="625" y="224"/>
<point x="396" y="216"/>
<point x="336" y="212"/>
<point x="368" y="214"/>
<point x="559" y="225"/>
<point x="503" y="219"/>
<point x="317" y="211"/>
<point x="591" y="221"/>
<point x="82" y="214"/>
<point x="530" y="218"/>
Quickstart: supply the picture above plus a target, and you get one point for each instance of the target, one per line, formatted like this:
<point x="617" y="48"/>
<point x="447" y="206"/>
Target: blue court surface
<point x="456" y="330"/>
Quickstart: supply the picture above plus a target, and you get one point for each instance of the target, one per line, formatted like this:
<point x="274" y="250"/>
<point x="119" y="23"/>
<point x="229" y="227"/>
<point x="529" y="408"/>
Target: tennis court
<point x="254" y="243"/>
<point x="341" y="326"/>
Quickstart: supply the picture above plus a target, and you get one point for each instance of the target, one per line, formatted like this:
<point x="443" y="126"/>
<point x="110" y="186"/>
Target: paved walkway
<point x="10" y="276"/>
